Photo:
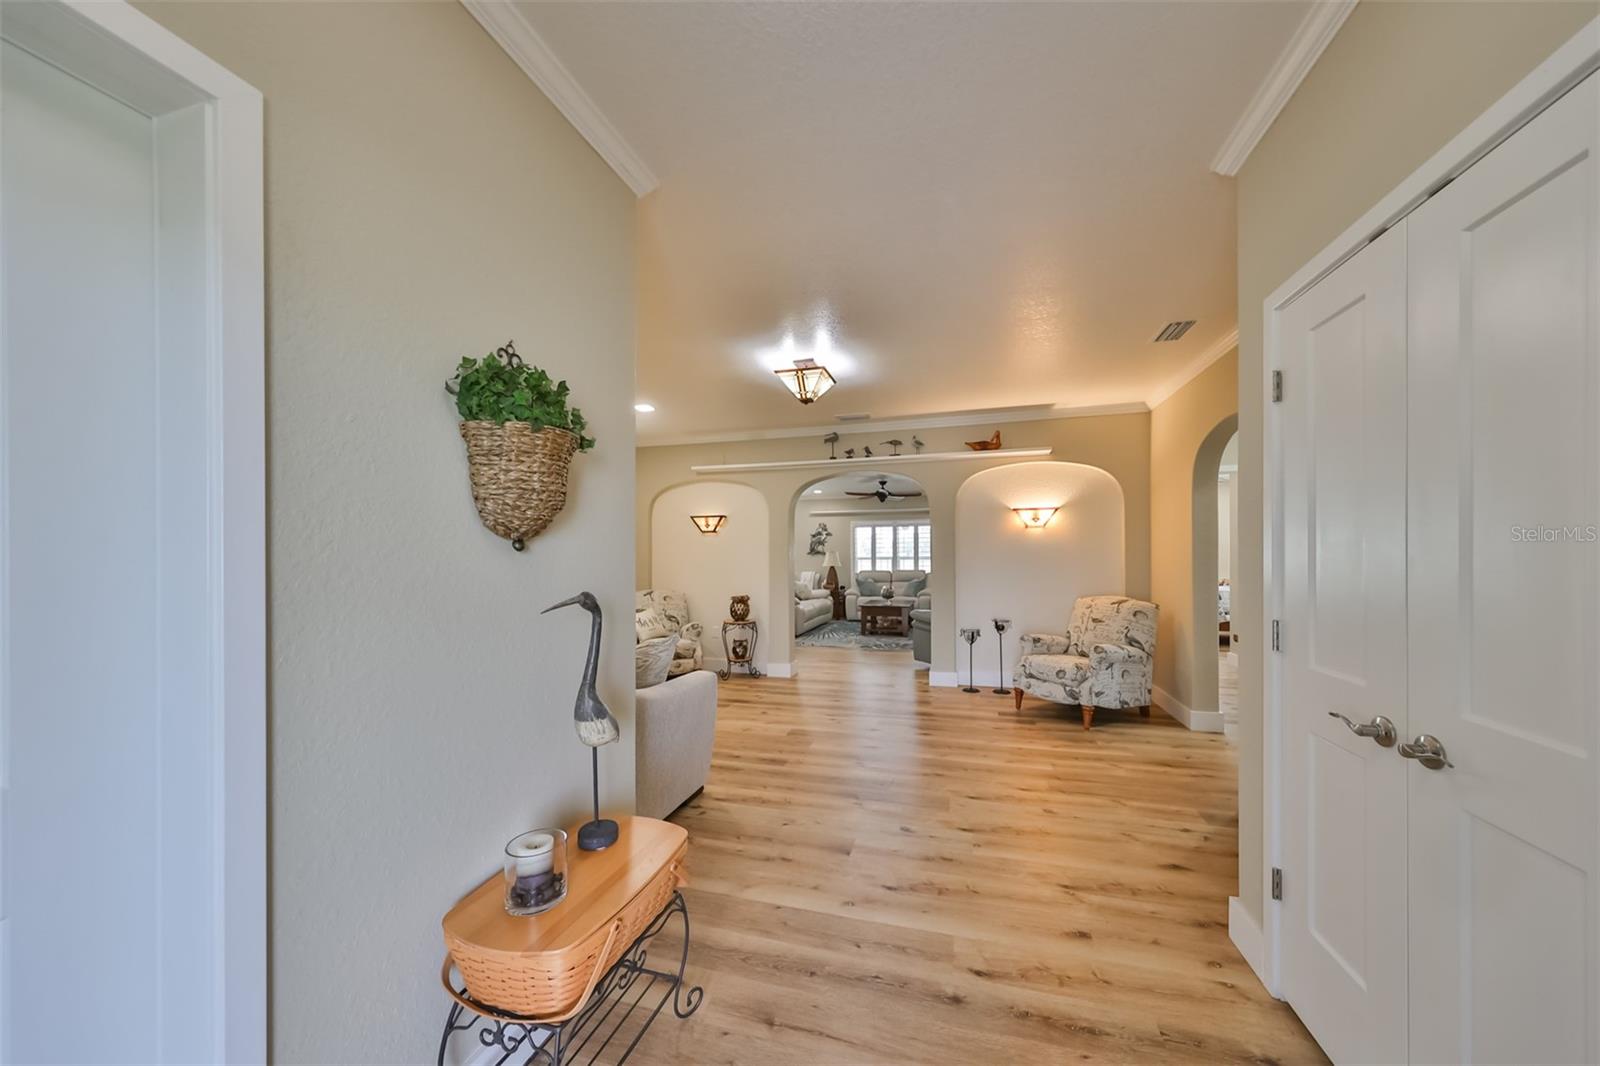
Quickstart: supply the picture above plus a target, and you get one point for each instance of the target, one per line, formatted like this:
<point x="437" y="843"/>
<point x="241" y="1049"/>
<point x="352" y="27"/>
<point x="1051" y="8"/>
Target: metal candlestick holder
<point x="1000" y="627"/>
<point x="971" y="637"/>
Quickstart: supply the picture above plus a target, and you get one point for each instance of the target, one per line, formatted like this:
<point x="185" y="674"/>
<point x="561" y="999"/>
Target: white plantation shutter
<point x="893" y="545"/>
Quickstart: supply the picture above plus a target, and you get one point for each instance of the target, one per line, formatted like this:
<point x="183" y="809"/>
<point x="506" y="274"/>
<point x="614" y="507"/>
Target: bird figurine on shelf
<point x="895" y="444"/>
<point x="866" y="451"/>
<point x="595" y="724"/>
<point x="830" y="440"/>
<point x="918" y="443"/>
<point x="985" y="445"/>
<point x="849" y="453"/>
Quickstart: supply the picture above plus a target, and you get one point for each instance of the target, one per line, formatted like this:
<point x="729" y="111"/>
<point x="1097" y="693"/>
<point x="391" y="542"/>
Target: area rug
<point x="846" y="634"/>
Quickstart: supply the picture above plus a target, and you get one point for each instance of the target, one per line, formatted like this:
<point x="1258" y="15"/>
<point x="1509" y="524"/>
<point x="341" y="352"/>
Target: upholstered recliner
<point x="1105" y="659"/>
<point x="906" y="584"/>
<point x="658" y="612"/>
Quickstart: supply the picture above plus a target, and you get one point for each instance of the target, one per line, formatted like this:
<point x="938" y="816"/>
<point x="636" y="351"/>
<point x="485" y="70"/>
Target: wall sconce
<point x="1035" y="517"/>
<point x="708" y="523"/>
<point x="808" y="380"/>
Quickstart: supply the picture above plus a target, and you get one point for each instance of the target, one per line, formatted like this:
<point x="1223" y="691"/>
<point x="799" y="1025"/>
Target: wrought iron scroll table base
<point x="630" y="986"/>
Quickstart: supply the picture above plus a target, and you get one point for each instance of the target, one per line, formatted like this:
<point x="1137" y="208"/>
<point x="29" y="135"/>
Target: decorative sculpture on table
<point x="819" y="539"/>
<point x="1000" y="627"/>
<point x="596" y="727"/>
<point x="985" y="445"/>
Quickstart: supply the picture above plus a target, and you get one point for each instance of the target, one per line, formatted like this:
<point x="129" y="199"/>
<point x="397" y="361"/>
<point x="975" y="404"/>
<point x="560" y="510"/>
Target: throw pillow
<point x="868" y="587"/>
<point x="650" y="623"/>
<point x="651" y="661"/>
<point x="912" y="588"/>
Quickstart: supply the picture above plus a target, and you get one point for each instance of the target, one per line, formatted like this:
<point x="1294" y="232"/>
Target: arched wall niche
<point x="1032" y="576"/>
<point x="711" y="568"/>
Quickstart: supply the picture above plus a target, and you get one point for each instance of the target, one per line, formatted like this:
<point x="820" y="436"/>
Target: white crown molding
<point x="1225" y="344"/>
<point x="1315" y="32"/>
<point x="511" y="30"/>
<point x="997" y="416"/>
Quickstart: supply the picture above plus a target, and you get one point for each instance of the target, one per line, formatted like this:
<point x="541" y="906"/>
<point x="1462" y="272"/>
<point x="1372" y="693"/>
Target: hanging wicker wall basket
<point x="519" y="476"/>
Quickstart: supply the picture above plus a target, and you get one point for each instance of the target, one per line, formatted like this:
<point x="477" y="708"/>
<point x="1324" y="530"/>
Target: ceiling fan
<point x="883" y="494"/>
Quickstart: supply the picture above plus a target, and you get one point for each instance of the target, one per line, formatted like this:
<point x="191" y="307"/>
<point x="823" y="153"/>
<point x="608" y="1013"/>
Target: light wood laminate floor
<point x="883" y="872"/>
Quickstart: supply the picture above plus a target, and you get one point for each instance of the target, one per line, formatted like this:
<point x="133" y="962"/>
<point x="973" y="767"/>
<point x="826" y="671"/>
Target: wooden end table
<point x="884" y="619"/>
<point x="600" y="885"/>
<point x="838" y="602"/>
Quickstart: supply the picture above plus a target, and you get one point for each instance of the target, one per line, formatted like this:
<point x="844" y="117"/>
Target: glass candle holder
<point x="536" y="871"/>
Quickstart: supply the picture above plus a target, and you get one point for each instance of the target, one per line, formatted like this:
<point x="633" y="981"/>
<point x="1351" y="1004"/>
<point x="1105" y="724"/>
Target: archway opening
<point x="861" y="552"/>
<point x="1213" y="509"/>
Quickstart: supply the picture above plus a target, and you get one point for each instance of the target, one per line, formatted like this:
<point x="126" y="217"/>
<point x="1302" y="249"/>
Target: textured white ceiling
<point x="984" y="204"/>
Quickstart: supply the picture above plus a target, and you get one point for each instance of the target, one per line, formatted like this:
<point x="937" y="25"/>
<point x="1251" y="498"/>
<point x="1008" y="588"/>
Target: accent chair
<point x="1104" y="660"/>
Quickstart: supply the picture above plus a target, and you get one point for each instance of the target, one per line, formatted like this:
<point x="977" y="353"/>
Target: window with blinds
<point x="893" y="545"/>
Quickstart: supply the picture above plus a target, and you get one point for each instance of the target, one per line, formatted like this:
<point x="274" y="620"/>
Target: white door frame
<point x="1565" y="67"/>
<point x="131" y="57"/>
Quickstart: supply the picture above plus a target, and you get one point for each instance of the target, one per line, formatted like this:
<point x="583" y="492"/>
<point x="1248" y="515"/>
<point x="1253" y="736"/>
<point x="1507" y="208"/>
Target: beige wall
<point x="424" y="202"/>
<point x="1398" y="82"/>
<point x="711" y="568"/>
<point x="1032" y="576"/>
<point x="1187" y="434"/>
<point x="1118" y="444"/>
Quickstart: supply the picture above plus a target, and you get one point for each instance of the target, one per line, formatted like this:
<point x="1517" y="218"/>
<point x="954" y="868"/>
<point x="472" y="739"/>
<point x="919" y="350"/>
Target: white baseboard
<point x="780" y="669"/>
<point x="984" y="679"/>
<point x="1247" y="937"/>
<point x="1196" y="721"/>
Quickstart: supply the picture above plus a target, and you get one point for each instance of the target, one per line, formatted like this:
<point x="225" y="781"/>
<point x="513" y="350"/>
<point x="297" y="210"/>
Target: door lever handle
<point x="1427" y="750"/>
<point x="1380" y="729"/>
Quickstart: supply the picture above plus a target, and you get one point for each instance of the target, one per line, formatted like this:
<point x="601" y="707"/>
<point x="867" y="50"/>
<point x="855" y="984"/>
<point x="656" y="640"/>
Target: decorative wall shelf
<point x="875" y="461"/>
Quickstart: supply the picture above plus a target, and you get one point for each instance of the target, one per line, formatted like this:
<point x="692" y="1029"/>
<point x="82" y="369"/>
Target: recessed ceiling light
<point x="816" y="492"/>
<point x="644" y="408"/>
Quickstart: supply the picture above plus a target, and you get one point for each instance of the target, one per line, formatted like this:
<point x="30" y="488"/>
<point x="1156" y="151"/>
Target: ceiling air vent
<point x="1173" y="331"/>
<point x="853" y="418"/>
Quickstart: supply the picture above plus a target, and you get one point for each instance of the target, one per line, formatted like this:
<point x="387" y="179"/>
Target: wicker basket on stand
<point x="519" y="476"/>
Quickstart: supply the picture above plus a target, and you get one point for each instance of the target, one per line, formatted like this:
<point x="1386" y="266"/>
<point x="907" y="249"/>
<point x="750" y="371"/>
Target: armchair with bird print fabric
<point x="1105" y="659"/>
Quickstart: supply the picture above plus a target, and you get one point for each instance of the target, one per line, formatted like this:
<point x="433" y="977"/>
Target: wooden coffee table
<point x="884" y="619"/>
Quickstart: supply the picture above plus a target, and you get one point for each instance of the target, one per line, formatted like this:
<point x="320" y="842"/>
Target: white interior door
<point x="1504" y="595"/>
<point x="113" y="785"/>
<point x="1343" y="641"/>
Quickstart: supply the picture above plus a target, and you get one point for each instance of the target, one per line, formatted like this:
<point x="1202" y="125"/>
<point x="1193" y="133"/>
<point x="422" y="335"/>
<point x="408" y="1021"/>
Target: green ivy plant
<point x="501" y="388"/>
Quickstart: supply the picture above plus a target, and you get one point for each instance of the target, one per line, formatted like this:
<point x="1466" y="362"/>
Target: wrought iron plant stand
<point x="631" y="985"/>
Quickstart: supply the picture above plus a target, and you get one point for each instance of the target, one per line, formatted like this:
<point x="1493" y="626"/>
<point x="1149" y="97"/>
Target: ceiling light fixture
<point x="808" y="380"/>
<point x="708" y="523"/>
<point x="644" y="408"/>
<point x="1035" y="517"/>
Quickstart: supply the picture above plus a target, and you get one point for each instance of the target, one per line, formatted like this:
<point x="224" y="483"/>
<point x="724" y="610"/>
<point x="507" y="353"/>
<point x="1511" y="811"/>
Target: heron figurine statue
<point x="596" y="727"/>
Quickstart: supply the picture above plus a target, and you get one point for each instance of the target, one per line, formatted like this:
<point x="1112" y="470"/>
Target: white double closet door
<point x="1441" y="487"/>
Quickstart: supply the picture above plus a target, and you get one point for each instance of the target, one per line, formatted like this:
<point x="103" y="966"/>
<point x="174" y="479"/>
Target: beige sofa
<point x="813" y="604"/>
<point x="901" y="578"/>
<point x="675" y="725"/>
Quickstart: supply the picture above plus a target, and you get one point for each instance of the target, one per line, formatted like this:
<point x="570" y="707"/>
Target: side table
<point x="742" y="651"/>
<point x="838" y="602"/>
<point x="595" y="942"/>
